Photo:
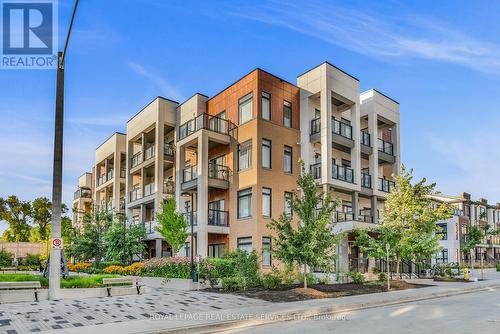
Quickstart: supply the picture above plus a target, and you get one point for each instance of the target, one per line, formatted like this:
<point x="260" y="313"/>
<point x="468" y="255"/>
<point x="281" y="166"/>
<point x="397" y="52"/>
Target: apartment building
<point x="232" y="160"/>
<point x="350" y="141"/>
<point x="110" y="173"/>
<point x="466" y="213"/>
<point x="82" y="199"/>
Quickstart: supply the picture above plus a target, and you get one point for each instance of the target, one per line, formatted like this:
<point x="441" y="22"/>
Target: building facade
<point x="232" y="160"/>
<point x="83" y="198"/>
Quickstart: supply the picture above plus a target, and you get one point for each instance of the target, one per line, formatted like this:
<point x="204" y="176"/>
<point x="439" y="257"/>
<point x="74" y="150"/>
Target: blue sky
<point x="440" y="60"/>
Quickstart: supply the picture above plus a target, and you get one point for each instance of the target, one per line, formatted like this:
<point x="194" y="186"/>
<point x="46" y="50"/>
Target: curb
<point x="276" y="317"/>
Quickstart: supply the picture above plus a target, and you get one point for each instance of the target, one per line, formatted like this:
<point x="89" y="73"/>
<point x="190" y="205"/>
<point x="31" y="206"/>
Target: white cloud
<point x="165" y="87"/>
<point x="380" y="37"/>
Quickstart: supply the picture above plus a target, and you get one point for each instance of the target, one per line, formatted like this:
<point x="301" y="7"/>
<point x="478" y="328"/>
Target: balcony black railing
<point x="315" y="126"/>
<point x="136" y="159"/>
<point x="385" y="185"/>
<point x="341" y="128"/>
<point x="385" y="146"/>
<point x="219" y="172"/>
<point x="168" y="149"/>
<point x="188" y="216"/>
<point x="339" y="216"/>
<point x="343" y="173"/>
<point x="208" y="122"/>
<point x="316" y="170"/>
<point x="82" y="192"/>
<point x="190" y="173"/>
<point x="109" y="175"/>
<point x="366" y="180"/>
<point x="101" y="179"/>
<point x="218" y="218"/>
<point x="365" y="138"/>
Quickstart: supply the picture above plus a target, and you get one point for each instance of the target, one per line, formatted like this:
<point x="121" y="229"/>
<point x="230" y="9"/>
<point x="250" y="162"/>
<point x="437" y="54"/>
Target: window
<point x="245" y="203"/>
<point x="245" y="244"/>
<point x="287" y="160"/>
<point x="266" y="153"/>
<point x="266" y="106"/>
<point x="266" y="251"/>
<point x="216" y="250"/>
<point x="287" y="114"/>
<point x="245" y="108"/>
<point x="266" y="202"/>
<point x="444" y="231"/>
<point x="245" y="155"/>
<point x="442" y="256"/>
<point x="288" y="207"/>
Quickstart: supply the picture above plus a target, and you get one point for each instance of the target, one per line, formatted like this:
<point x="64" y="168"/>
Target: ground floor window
<point x="266" y="251"/>
<point x="245" y="244"/>
<point x="442" y="256"/>
<point x="216" y="250"/>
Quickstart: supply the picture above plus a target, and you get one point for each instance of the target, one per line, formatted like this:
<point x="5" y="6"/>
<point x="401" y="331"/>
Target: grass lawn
<point x="94" y="281"/>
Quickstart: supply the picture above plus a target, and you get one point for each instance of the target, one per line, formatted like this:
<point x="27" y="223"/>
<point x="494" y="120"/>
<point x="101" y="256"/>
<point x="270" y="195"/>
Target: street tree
<point x="17" y="214"/>
<point x="172" y="225"/>
<point x="89" y="242"/>
<point x="123" y="242"/>
<point x="41" y="214"/>
<point x="308" y="240"/>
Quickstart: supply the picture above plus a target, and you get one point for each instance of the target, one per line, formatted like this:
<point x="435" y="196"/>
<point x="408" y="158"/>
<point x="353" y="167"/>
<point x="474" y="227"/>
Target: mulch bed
<point x="315" y="291"/>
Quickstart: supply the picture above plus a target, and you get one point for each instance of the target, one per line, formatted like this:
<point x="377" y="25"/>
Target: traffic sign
<point x="57" y="243"/>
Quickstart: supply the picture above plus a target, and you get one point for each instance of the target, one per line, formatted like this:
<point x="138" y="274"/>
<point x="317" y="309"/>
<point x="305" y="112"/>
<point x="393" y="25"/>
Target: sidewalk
<point x="199" y="322"/>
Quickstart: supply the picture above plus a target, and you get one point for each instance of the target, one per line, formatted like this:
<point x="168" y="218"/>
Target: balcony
<point x="150" y="226"/>
<point x="385" y="151"/>
<point x="109" y="175"/>
<point x="188" y="216"/>
<point x="218" y="218"/>
<point x="149" y="153"/>
<point x="101" y="179"/>
<point x="341" y="134"/>
<point x="365" y="138"/>
<point x="207" y="122"/>
<point x="190" y="173"/>
<point x="315" y="126"/>
<point x="168" y="187"/>
<point x="168" y="152"/>
<point x="135" y="194"/>
<point x="339" y="216"/>
<point x="123" y="173"/>
<point x="136" y="159"/>
<point x="385" y="185"/>
<point x="341" y="128"/>
<point x="218" y="172"/>
<point x="366" y="149"/>
<point x="316" y="170"/>
<point x="343" y="173"/>
<point x="82" y="192"/>
<point x="122" y="203"/>
<point x="149" y="189"/>
<point x="366" y="180"/>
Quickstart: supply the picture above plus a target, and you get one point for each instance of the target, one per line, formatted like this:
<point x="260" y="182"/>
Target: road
<point x="469" y="313"/>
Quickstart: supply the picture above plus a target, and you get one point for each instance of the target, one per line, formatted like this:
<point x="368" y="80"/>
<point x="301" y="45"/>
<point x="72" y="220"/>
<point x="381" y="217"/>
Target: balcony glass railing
<point x="149" y="152"/>
<point x="169" y="149"/>
<point x="194" y="219"/>
<point x="339" y="216"/>
<point x="219" y="172"/>
<point x="149" y="189"/>
<point x="385" y="185"/>
<point x="110" y="175"/>
<point x="136" y="159"/>
<point x="190" y="173"/>
<point x="366" y="180"/>
<point x="208" y="122"/>
<point x="342" y="173"/>
<point x="218" y="218"/>
<point x="385" y="146"/>
<point x="122" y="203"/>
<point x="169" y="187"/>
<point x="365" y="138"/>
<point x="83" y="193"/>
<point x="135" y="194"/>
<point x="315" y="126"/>
<point x="123" y="173"/>
<point x="101" y="179"/>
<point x="316" y="170"/>
<point x="150" y="226"/>
<point x="341" y="128"/>
<point x="458" y="212"/>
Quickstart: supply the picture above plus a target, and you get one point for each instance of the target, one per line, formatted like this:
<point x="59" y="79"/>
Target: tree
<point x="41" y="214"/>
<point x="310" y="241"/>
<point x="475" y="235"/>
<point x="409" y="224"/>
<point x="17" y="214"/>
<point x="122" y="242"/>
<point x="172" y="225"/>
<point x="89" y="243"/>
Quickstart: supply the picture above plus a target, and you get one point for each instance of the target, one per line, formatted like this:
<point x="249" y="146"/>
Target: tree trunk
<point x="305" y="276"/>
<point x="398" y="262"/>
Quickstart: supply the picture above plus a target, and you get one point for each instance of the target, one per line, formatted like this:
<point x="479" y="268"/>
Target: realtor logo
<point x="29" y="34"/>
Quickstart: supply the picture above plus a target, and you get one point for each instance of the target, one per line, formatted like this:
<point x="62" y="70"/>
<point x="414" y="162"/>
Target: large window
<point x="245" y="108"/>
<point x="245" y="155"/>
<point x="287" y="114"/>
<point x="287" y="159"/>
<point x="245" y="203"/>
<point x="266" y="106"/>
<point x="266" y="153"/>
<point x="245" y="244"/>
<point x="216" y="250"/>
<point x="266" y="202"/>
<point x="444" y="231"/>
<point x="266" y="251"/>
<point x="442" y="256"/>
<point x="288" y="207"/>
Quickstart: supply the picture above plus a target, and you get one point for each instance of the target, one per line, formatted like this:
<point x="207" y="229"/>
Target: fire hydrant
<point x="466" y="274"/>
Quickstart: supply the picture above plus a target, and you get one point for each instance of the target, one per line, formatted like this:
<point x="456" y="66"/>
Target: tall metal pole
<point x="55" y="254"/>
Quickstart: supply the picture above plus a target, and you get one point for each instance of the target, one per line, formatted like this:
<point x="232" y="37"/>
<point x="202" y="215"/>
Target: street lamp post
<point x="191" y="248"/>
<point x="387" y="248"/>
<point x="55" y="253"/>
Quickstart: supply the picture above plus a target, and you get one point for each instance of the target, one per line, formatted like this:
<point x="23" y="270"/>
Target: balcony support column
<point x="373" y="159"/>
<point x="158" y="247"/>
<point x="355" y="205"/>
<point x="202" y="195"/>
<point x="374" y="208"/>
<point x="180" y="164"/>
<point x="395" y="141"/>
<point x="116" y="179"/>
<point x="356" y="150"/>
<point x="158" y="179"/>
<point x="326" y="134"/>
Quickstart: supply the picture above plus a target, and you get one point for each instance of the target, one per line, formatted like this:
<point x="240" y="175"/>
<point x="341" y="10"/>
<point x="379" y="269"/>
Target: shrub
<point x="79" y="267"/>
<point x="498" y="266"/>
<point x="103" y="264"/>
<point x="246" y="266"/>
<point x="6" y="258"/>
<point x="356" y="277"/>
<point x="167" y="267"/>
<point x="382" y="277"/>
<point x="309" y="278"/>
<point x="272" y="279"/>
<point x="288" y="276"/>
<point x="232" y="283"/>
<point x="27" y="268"/>
<point x="133" y="269"/>
<point x="30" y="260"/>
<point x="213" y="269"/>
<point x="114" y="270"/>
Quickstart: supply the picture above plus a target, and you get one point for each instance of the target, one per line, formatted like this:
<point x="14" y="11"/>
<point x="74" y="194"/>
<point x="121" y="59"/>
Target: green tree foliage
<point x="308" y="242"/>
<point x="89" y="243"/>
<point x="172" y="225"/>
<point x="41" y="214"/>
<point x="122" y="242"/>
<point x="409" y="222"/>
<point x="6" y="258"/>
<point x="17" y="214"/>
